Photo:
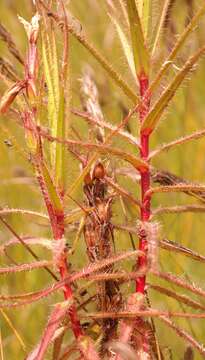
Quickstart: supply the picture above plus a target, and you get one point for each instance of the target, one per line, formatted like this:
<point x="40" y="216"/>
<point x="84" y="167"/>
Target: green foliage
<point x="141" y="56"/>
<point x="80" y="178"/>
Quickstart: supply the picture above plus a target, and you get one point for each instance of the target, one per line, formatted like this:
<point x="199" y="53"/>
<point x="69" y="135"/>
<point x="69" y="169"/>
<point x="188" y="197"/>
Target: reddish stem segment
<point x="58" y="232"/>
<point x="58" y="229"/>
<point x="145" y="180"/>
<point x="68" y="293"/>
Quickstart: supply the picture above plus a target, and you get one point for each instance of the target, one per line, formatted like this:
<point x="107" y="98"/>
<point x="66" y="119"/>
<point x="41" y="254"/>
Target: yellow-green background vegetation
<point x="18" y="188"/>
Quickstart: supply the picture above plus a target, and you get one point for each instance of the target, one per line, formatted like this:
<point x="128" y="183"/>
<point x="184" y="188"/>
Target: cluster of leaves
<point x="113" y="322"/>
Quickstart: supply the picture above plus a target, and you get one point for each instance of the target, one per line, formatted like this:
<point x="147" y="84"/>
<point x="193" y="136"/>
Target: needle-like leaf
<point x="153" y="117"/>
<point x="141" y="56"/>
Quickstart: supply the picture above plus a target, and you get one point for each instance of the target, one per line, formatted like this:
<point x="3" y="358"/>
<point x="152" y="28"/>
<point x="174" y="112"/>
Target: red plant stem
<point x="58" y="232"/>
<point x="56" y="216"/>
<point x="58" y="229"/>
<point x="68" y="293"/>
<point x="145" y="181"/>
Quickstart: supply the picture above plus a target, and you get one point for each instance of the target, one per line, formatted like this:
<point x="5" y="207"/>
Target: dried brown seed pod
<point x="87" y="179"/>
<point x="99" y="171"/>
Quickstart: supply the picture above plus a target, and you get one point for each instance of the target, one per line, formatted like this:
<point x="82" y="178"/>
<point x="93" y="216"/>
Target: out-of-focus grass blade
<point x="7" y="38"/>
<point x="16" y="333"/>
<point x="141" y="56"/>
<point x="157" y="110"/>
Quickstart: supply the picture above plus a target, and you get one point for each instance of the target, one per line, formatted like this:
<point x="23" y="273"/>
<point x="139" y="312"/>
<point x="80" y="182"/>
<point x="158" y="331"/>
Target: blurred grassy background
<point x="19" y="190"/>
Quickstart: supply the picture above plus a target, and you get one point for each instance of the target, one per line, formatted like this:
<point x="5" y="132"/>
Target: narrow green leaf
<point x="179" y="297"/>
<point x="103" y="149"/>
<point x="178" y="248"/>
<point x="52" y="191"/>
<point x="52" y="104"/>
<point x="157" y="110"/>
<point x="55" y="68"/>
<point x="106" y="125"/>
<point x="179" y="44"/>
<point x="108" y="138"/>
<point x="115" y="76"/>
<point x="125" y="45"/>
<point x="60" y="149"/>
<point x="56" y="104"/>
<point x="181" y="187"/>
<point x="160" y="25"/>
<point x="138" y="163"/>
<point x="140" y="52"/>
<point x="146" y="16"/>
<point x="81" y="37"/>
<point x="182" y="140"/>
<point x="82" y="175"/>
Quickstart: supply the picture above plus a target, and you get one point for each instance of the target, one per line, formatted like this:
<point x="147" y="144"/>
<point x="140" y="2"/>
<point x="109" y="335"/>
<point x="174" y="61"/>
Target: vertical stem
<point x="68" y="293"/>
<point x="58" y="232"/>
<point x="145" y="180"/>
<point x="58" y="229"/>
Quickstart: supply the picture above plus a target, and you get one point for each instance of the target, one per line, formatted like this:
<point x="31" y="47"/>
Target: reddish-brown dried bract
<point x="99" y="171"/>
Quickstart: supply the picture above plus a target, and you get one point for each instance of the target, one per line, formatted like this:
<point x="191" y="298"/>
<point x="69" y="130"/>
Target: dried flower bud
<point x="32" y="30"/>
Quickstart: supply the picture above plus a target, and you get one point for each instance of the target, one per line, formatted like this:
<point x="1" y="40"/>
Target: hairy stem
<point x="145" y="182"/>
<point x="58" y="229"/>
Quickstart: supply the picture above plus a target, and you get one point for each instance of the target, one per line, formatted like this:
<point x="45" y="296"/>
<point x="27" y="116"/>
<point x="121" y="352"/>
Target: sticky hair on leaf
<point x="59" y="249"/>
